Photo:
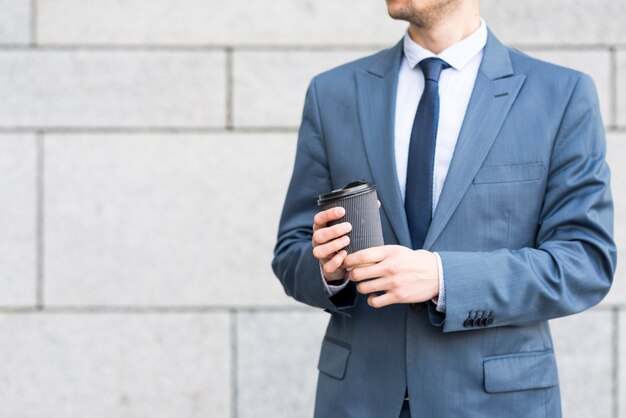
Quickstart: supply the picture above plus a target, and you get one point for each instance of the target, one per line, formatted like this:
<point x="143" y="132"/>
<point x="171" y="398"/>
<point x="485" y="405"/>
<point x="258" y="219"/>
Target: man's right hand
<point x="329" y="242"/>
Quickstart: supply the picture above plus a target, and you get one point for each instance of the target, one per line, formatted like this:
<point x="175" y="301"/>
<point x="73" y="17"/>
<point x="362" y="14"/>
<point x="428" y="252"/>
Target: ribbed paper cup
<point x="360" y="201"/>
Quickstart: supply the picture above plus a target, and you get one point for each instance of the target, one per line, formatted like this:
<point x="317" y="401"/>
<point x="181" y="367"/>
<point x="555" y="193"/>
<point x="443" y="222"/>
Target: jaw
<point x="421" y="13"/>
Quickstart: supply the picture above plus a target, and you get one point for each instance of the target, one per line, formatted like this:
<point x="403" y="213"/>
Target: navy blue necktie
<point x="418" y="201"/>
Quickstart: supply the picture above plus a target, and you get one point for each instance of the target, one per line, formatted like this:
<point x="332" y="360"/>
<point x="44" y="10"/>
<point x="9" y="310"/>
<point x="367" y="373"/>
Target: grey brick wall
<point x="144" y="144"/>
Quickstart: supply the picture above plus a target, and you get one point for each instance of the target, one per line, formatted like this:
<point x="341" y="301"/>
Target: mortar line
<point x="320" y="47"/>
<point x="615" y="370"/>
<point x="607" y="307"/>
<point x="67" y="47"/>
<point x="197" y="48"/>
<point x="229" y="89"/>
<point x="95" y="309"/>
<point x="147" y="130"/>
<point x="40" y="218"/>
<point x="172" y="130"/>
<point x="234" y="364"/>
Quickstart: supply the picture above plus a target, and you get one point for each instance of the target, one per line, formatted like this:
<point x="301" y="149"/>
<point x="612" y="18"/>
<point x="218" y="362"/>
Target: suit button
<point x="483" y="322"/>
<point x="468" y="321"/>
<point x="417" y="306"/>
<point x="490" y="320"/>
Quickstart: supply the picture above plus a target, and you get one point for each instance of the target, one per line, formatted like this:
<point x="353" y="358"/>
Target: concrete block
<point x="583" y="345"/>
<point x="269" y="87"/>
<point x="622" y="360"/>
<point x="620" y="92"/>
<point x="164" y="219"/>
<point x="112" y="89"/>
<point x="277" y="363"/>
<point x="18" y="241"/>
<point x="115" y="365"/>
<point x="557" y="22"/>
<point x="15" y="21"/>
<point x="615" y="154"/>
<point x="596" y="63"/>
<point x="301" y="22"/>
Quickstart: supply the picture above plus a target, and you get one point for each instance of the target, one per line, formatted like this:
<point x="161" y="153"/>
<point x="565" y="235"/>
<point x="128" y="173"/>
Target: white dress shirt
<point x="455" y="88"/>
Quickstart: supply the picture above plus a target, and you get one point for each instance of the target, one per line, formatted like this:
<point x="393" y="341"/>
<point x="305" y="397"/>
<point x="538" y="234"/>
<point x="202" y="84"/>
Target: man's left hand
<point x="404" y="275"/>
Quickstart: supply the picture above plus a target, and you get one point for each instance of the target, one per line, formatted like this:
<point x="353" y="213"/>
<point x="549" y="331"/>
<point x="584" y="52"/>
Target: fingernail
<point x="347" y="226"/>
<point x="339" y="211"/>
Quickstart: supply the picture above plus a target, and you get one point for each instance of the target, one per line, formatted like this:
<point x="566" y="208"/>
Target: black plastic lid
<point x="352" y="189"/>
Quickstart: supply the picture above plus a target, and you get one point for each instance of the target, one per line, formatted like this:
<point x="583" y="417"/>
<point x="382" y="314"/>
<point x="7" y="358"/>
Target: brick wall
<point x="145" y="149"/>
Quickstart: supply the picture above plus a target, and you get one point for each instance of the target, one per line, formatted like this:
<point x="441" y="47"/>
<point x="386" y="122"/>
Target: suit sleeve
<point x="293" y="262"/>
<point x="572" y="264"/>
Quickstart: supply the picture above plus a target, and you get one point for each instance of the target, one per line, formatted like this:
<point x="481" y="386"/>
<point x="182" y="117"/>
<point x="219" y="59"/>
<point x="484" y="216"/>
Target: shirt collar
<point x="457" y="55"/>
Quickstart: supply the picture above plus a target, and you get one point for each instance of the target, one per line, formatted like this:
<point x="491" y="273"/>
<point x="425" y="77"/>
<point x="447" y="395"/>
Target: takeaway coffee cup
<point x="360" y="201"/>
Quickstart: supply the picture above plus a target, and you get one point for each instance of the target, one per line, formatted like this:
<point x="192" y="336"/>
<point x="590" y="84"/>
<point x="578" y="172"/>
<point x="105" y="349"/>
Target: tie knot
<point x="432" y="67"/>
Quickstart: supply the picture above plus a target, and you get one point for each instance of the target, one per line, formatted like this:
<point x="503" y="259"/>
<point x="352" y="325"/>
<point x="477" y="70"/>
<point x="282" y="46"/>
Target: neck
<point x="446" y="31"/>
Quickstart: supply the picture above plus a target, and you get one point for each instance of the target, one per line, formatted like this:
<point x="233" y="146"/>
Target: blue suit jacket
<point x="523" y="227"/>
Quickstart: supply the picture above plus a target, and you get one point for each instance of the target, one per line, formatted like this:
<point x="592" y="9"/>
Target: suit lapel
<point x="376" y="97"/>
<point x="494" y="92"/>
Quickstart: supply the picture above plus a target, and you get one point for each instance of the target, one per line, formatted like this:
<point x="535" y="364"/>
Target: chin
<point x="397" y="8"/>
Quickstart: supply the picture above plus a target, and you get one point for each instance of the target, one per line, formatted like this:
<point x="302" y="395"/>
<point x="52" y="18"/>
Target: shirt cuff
<point x="440" y="300"/>
<point x="331" y="290"/>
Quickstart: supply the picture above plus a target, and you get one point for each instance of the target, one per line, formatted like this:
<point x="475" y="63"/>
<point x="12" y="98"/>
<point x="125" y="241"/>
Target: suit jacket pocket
<point x="520" y="371"/>
<point x="509" y="173"/>
<point x="333" y="358"/>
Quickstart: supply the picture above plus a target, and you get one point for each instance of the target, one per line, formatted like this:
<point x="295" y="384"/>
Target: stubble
<point x="428" y="16"/>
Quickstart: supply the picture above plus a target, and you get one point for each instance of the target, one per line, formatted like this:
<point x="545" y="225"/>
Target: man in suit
<point x="496" y="215"/>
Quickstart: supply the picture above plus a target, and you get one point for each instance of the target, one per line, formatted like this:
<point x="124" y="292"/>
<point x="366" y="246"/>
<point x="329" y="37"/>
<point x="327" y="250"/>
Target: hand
<point x="328" y="242"/>
<point x="404" y="275"/>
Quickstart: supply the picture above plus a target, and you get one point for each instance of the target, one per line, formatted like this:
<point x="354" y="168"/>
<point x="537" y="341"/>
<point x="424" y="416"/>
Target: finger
<point x="334" y="264"/>
<point x="367" y="256"/>
<point x="375" y="285"/>
<point x="364" y="272"/>
<point x="322" y="218"/>
<point x="379" y="204"/>
<point x="321" y="252"/>
<point x="376" y="301"/>
<point x="323" y="235"/>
